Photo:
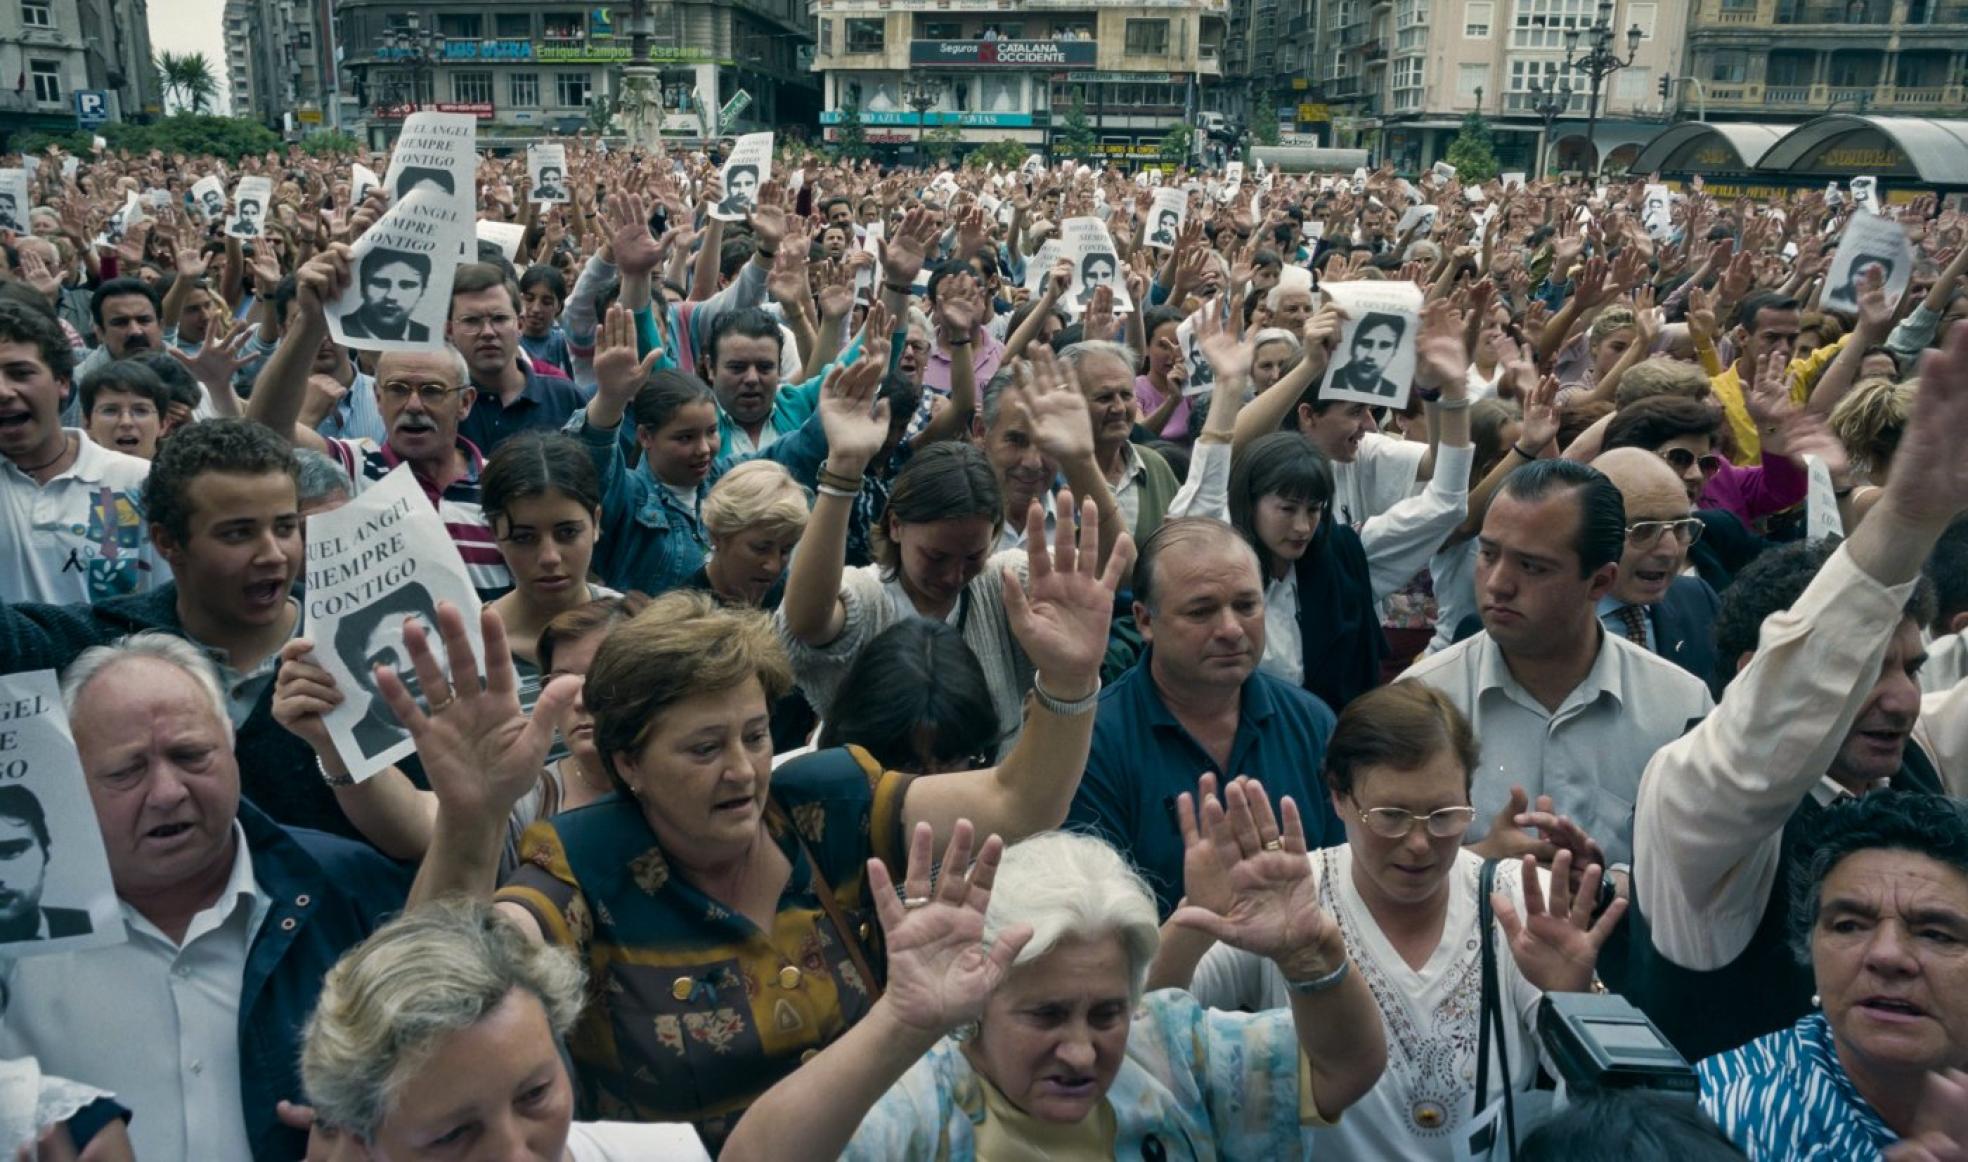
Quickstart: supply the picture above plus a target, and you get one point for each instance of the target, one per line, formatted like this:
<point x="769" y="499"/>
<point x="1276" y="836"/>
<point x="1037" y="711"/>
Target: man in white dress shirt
<point x="1560" y="707"/>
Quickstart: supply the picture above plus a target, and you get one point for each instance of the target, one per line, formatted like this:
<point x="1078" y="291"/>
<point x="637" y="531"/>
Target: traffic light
<point x="1664" y="82"/>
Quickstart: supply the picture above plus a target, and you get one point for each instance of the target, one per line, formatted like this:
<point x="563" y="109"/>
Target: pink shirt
<point x="1148" y="399"/>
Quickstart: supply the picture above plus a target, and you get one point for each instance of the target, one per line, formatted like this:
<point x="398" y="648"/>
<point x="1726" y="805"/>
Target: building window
<point x="865" y="34"/>
<point x="1476" y="19"/>
<point x="1729" y="67"/>
<point x="37" y="13"/>
<point x="1407" y="73"/>
<point x="471" y="88"/>
<point x="1470" y="78"/>
<point x="523" y="90"/>
<point x="1542" y="23"/>
<point x="941" y="30"/>
<point x="513" y="25"/>
<point x="571" y="90"/>
<point x="460" y="26"/>
<point x="47" y="81"/>
<point x="1147" y="38"/>
<point x="1633" y="84"/>
<point x="562" y="27"/>
<point x="1643" y="15"/>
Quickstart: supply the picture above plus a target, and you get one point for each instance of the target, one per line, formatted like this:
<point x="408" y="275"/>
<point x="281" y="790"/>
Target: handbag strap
<point x="1491" y="1012"/>
<point x="850" y="938"/>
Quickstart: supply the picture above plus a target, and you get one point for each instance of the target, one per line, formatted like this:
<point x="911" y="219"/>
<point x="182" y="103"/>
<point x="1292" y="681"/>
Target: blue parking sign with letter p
<point x="91" y="107"/>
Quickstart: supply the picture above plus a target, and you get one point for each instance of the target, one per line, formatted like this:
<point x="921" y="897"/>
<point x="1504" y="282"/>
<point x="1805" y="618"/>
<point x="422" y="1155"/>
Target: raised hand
<point x="856" y="422"/>
<point x="618" y="373"/>
<point x="1875" y="313"/>
<point x="635" y="249"/>
<point x="1769" y="398"/>
<point x="1929" y="481"/>
<point x="903" y="255"/>
<point x="1061" y="617"/>
<point x="1441" y="359"/>
<point x="1940" y="1123"/>
<point x="320" y="281"/>
<point x="1205" y="874"/>
<point x="1098" y="322"/>
<point x="940" y="972"/>
<point x="836" y="296"/>
<point x="1540" y="424"/>
<point x="218" y="358"/>
<point x="304" y="693"/>
<point x="768" y="223"/>
<point x="1229" y="355"/>
<point x="1051" y="406"/>
<point x="1557" y="947"/>
<point x="480" y="751"/>
<point x="1272" y="908"/>
<point x="34" y="270"/>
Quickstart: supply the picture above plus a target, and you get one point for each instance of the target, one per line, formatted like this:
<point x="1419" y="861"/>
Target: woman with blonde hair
<point x="1870" y="421"/>
<point x="754" y="516"/>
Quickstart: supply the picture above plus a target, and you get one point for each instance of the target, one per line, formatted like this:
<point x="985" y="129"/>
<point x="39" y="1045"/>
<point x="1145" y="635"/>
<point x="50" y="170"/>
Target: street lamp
<point x="411" y="46"/>
<point x="1599" y="62"/>
<point x="919" y="93"/>
<point x="1548" y="101"/>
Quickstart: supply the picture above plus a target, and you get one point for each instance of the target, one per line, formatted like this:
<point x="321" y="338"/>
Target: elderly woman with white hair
<point x="437" y="1037"/>
<point x="1015" y="1026"/>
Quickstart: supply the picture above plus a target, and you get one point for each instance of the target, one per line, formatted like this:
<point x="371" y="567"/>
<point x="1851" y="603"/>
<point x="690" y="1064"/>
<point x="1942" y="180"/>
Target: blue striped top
<point x="1785" y="1096"/>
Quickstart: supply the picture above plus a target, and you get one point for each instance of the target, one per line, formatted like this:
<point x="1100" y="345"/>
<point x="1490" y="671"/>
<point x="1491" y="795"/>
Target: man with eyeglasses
<point x="1652" y="603"/>
<point x="423" y="396"/>
<point x="1825" y="648"/>
<point x="512" y="394"/>
<point x="1562" y="709"/>
<point x="1196" y="703"/>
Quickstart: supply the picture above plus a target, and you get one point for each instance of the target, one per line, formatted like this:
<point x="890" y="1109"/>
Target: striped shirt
<point x="1785" y="1096"/>
<point x="457" y="506"/>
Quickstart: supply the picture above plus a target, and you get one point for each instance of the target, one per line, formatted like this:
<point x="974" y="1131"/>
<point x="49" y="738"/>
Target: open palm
<point x="940" y="972"/>
<point x="1273" y="908"/>
<point x="1061" y="616"/>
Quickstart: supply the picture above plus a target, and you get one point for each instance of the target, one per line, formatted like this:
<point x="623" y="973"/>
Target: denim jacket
<point x="650" y="540"/>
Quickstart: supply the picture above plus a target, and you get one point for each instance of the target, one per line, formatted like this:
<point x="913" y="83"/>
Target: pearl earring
<point x="1814" y="1001"/>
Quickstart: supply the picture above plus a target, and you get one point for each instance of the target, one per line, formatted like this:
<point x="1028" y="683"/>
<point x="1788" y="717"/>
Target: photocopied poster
<point x="362" y="179"/>
<point x="1202" y="377"/>
<point x="546" y="171"/>
<point x="121" y="222"/>
<point x="1233" y="180"/>
<point x="405" y="262"/>
<point x="748" y="168"/>
<point x="377" y="561"/>
<point x="1442" y="174"/>
<point x="55" y="889"/>
<point x="15" y="201"/>
<point x="1865" y="193"/>
<point x="208" y="196"/>
<point x="1657" y="211"/>
<point x="1513" y="179"/>
<point x="1096" y="263"/>
<point x="1821" y="519"/>
<point x="1420" y="219"/>
<point x="507" y="236"/>
<point x="249" y="206"/>
<point x="1166" y="216"/>
<point x="1040" y="264"/>
<point x="1870" y="242"/>
<point x="1375" y="360"/>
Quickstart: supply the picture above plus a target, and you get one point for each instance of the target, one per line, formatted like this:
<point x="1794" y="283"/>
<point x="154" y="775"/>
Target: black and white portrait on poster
<point x="748" y="168"/>
<point x="1096" y="263"/>
<point x="121" y="222"/>
<point x="56" y="894"/>
<point x="1165" y="218"/>
<point x="1375" y="361"/>
<point x="249" y="207"/>
<point x="1870" y="242"/>
<point x="362" y="179"/>
<point x="375" y="563"/>
<point x="546" y="169"/>
<point x="404" y="264"/>
<point x="1865" y="193"/>
<point x="208" y="198"/>
<point x="14" y="200"/>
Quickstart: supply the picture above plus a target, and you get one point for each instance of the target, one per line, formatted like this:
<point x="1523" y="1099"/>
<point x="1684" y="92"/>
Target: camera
<point x="1599" y="1041"/>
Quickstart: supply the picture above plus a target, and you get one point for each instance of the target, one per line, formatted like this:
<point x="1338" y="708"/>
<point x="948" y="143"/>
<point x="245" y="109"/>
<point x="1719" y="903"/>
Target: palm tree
<point x="189" y="76"/>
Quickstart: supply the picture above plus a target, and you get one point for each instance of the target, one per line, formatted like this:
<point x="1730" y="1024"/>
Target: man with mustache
<point x="1825" y="645"/>
<point x="1196" y="702"/>
<point x="128" y="317"/>
<point x="1563" y="710"/>
<point x="422" y="397"/>
<point x="511" y="396"/>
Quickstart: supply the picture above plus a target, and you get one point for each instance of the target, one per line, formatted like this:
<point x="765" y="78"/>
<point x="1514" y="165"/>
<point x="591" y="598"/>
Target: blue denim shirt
<point x="650" y="540"/>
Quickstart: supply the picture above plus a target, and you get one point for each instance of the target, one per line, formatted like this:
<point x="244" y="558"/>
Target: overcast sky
<point x="192" y="26"/>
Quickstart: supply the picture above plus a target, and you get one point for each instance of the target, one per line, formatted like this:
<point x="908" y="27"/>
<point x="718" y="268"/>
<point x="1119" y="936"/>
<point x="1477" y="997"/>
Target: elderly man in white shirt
<point x="1560" y="707"/>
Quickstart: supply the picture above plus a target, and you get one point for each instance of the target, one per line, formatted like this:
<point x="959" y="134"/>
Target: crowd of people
<point x="923" y="715"/>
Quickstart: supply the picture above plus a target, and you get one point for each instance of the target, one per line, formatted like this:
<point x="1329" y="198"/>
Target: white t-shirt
<point x="1426" y="1093"/>
<point x="81" y="537"/>
<point x="1381" y="476"/>
<point x="634" y="1142"/>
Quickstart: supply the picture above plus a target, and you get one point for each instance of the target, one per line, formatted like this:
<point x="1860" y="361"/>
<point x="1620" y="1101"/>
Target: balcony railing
<point x="1917" y="95"/>
<point x="1787" y="94"/>
<point x="1818" y="98"/>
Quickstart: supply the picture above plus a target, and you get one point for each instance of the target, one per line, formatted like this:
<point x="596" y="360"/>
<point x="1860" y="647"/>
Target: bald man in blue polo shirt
<point x="1197" y="703"/>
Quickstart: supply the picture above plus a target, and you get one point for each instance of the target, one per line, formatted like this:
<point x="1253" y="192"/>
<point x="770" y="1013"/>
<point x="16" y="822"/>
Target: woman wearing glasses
<point x="1687" y="434"/>
<point x="1404" y="891"/>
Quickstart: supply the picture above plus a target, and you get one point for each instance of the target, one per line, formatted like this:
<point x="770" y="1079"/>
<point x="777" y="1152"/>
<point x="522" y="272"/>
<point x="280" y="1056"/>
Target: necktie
<point x="1635" y="617"/>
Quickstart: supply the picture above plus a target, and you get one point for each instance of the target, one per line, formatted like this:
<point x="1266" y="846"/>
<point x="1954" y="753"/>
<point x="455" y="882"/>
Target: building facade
<point x="280" y="63"/>
<point x="53" y="49"/>
<point x="1791" y="60"/>
<point x="1005" y="70"/>
<point x="1400" y="75"/>
<point x="528" y="70"/>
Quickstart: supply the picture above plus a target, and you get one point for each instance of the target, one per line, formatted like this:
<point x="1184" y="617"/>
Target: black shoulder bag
<point x="1492" y="1012"/>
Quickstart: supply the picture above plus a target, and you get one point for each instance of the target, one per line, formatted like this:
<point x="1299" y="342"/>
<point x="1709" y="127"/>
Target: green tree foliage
<point x="1076" y="139"/>
<point x="188" y="77"/>
<point x="1177" y="143"/>
<point x="941" y="143"/>
<point x="1472" y="152"/>
<point x="851" y="136"/>
<point x="189" y="133"/>
<point x="1007" y="155"/>
<point x="329" y="143"/>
